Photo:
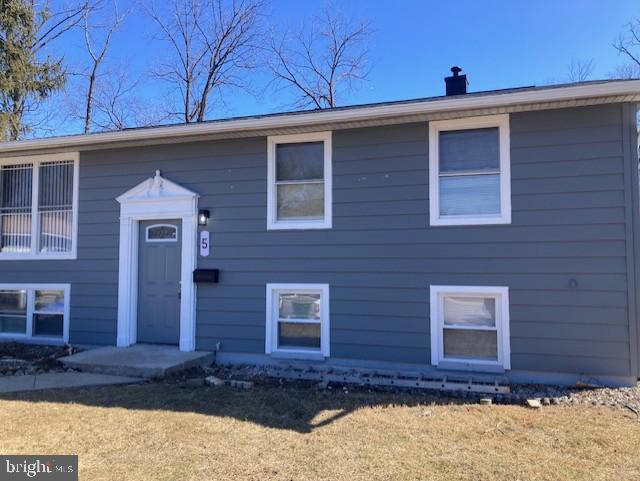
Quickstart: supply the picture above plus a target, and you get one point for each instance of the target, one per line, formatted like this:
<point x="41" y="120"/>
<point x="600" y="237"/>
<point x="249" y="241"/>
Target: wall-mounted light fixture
<point x="203" y="217"/>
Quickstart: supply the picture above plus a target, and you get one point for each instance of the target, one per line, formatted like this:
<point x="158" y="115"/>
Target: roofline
<point x="309" y="118"/>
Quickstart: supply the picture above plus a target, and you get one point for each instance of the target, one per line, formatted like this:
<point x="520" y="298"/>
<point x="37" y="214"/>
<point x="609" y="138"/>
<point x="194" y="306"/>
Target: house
<point x="492" y="232"/>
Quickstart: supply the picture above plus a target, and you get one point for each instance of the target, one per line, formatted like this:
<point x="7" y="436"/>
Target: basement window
<point x="34" y="311"/>
<point x="299" y="181"/>
<point x="469" y="171"/>
<point x="470" y="327"/>
<point x="298" y="320"/>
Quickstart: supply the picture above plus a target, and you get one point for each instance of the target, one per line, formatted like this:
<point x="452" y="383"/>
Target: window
<point x="162" y="233"/>
<point x="299" y="181"/>
<point x="469" y="171"/>
<point x="34" y="311"/>
<point x="298" y="320"/>
<point x="470" y="327"/>
<point x="38" y="207"/>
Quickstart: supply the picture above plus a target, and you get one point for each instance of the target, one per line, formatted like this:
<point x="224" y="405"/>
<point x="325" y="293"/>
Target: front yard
<point x="171" y="431"/>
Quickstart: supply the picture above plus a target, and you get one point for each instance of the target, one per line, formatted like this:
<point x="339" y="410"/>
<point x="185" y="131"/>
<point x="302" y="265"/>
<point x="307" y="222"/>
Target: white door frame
<point x="156" y="198"/>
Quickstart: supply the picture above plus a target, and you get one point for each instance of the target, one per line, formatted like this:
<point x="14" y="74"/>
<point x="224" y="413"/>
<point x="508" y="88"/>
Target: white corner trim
<point x="36" y="160"/>
<point x="435" y="127"/>
<point x="152" y="199"/>
<point x="272" y="219"/>
<point x="501" y="294"/>
<point x="31" y="288"/>
<point x="271" y="334"/>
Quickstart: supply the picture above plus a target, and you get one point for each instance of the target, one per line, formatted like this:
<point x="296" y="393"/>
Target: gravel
<point x="624" y="398"/>
<point x="18" y="359"/>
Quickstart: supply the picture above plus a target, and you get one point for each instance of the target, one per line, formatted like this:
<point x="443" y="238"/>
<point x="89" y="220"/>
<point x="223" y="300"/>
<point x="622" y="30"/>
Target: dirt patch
<point x="18" y="358"/>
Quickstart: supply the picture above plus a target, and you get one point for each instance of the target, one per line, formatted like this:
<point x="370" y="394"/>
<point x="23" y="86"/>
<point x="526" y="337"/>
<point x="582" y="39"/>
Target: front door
<point x="159" y="281"/>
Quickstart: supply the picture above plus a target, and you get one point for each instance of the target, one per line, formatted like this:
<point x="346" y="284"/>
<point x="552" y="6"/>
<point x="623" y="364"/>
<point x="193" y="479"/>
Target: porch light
<point x="203" y="217"/>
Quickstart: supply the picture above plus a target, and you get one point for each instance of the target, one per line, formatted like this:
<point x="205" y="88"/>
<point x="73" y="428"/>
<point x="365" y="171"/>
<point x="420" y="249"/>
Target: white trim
<point x="501" y="294"/>
<point x="356" y="113"/>
<point x="31" y="288"/>
<point x="435" y="127"/>
<point x="36" y="160"/>
<point x="154" y="199"/>
<point x="272" y="220"/>
<point x="271" y="337"/>
<point x="169" y="239"/>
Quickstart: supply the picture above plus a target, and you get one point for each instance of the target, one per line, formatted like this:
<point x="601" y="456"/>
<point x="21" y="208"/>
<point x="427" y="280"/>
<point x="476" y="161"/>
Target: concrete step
<point x="140" y="360"/>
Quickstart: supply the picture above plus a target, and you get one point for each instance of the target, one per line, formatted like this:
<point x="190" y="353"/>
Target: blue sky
<point x="499" y="44"/>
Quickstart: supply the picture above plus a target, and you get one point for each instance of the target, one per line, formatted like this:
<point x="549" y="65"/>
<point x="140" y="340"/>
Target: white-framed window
<point x="470" y="327"/>
<point x="161" y="233"/>
<point x="470" y="171"/>
<point x="39" y="207"/>
<point x="299" y="181"/>
<point x="298" y="320"/>
<point x="35" y="311"/>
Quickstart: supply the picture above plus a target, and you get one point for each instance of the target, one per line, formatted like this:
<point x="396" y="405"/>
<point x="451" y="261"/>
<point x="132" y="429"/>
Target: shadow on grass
<point x="299" y="408"/>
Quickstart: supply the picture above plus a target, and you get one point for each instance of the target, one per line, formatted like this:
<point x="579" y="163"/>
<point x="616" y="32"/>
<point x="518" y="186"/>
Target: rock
<point x="12" y="362"/>
<point x="546" y="401"/>
<point x="486" y="401"/>
<point x="240" y="384"/>
<point x="534" y="403"/>
<point x="322" y="385"/>
<point x="213" y="381"/>
<point x="195" y="382"/>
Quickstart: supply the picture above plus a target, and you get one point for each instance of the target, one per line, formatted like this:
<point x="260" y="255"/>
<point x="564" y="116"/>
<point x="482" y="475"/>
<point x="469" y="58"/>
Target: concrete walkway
<point x="141" y="360"/>
<point x="58" y="380"/>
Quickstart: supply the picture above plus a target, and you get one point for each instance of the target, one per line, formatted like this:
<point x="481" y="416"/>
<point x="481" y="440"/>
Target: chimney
<point x="456" y="84"/>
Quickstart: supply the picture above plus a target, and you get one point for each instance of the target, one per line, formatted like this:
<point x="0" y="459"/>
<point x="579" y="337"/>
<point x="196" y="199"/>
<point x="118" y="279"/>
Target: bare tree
<point x="625" y="71"/>
<point x="580" y="70"/>
<point x="119" y="106"/>
<point x="211" y="44"/>
<point x="53" y="24"/>
<point x="97" y="40"/>
<point x="628" y="45"/>
<point x="323" y="63"/>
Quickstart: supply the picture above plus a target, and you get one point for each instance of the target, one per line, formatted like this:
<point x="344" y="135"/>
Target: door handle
<point x="179" y="290"/>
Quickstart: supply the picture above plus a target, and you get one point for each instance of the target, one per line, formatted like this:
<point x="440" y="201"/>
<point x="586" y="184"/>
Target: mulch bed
<point x="18" y="358"/>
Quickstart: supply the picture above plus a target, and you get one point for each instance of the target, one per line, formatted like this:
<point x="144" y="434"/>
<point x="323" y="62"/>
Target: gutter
<point x="351" y="114"/>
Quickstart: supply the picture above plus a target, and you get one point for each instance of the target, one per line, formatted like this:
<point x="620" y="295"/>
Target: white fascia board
<point x="471" y="101"/>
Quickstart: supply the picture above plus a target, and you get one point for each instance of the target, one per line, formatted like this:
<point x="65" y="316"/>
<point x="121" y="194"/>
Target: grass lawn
<point x="163" y="431"/>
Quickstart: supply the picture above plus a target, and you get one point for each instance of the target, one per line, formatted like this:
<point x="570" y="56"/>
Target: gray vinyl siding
<point x="568" y="223"/>
<point x="570" y="217"/>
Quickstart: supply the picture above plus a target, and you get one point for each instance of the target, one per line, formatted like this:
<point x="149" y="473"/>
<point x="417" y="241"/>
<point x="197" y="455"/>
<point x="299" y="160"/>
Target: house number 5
<point x="204" y="243"/>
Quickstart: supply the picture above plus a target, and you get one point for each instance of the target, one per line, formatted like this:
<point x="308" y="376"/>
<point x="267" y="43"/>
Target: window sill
<point x="55" y="341"/>
<point x="461" y="221"/>
<point x="38" y="257"/>
<point x="299" y="225"/>
<point x="477" y="366"/>
<point x="304" y="355"/>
